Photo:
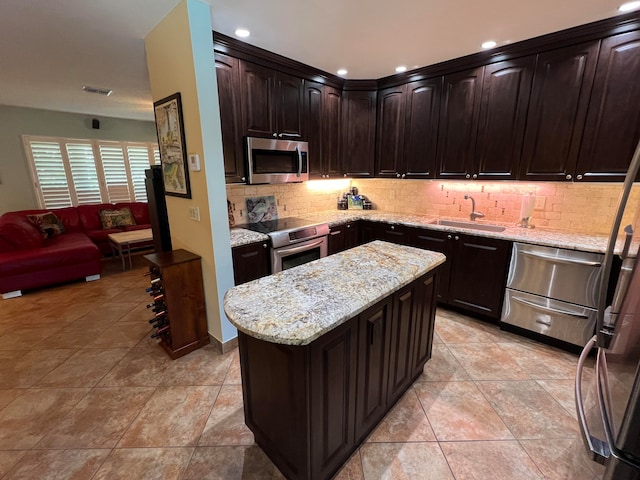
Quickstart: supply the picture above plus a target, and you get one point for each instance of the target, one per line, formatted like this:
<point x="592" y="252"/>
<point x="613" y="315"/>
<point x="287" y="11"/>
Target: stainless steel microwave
<point x="276" y="161"/>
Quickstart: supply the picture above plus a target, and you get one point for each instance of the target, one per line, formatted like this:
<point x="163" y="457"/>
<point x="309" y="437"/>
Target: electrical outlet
<point x="539" y="203"/>
<point x="194" y="213"/>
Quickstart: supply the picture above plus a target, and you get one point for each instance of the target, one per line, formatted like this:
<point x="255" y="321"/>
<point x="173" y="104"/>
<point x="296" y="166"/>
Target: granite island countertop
<point x="296" y="306"/>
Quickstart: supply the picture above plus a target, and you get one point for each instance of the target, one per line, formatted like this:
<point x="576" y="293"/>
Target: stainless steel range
<point x="294" y="241"/>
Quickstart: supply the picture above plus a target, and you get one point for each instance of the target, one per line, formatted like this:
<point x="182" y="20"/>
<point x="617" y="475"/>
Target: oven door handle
<point x="299" y="162"/>
<point x="598" y="449"/>
<point x="302" y="248"/>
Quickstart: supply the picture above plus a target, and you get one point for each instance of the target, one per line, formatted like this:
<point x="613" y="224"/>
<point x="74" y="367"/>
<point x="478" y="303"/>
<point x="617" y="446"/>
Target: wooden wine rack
<point x="180" y="274"/>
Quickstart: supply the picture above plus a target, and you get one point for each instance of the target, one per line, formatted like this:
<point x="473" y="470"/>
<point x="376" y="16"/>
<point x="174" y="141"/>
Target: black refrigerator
<point x="608" y="402"/>
<point x="154" y="185"/>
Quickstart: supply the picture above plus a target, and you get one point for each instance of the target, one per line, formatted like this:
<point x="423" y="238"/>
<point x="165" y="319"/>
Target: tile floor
<point x="86" y="394"/>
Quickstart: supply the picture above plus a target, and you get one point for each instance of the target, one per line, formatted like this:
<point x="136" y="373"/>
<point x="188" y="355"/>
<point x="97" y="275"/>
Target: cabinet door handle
<point x="457" y="237"/>
<point x="335" y="232"/>
<point x="348" y="225"/>
<point x="264" y="245"/>
<point x="578" y="177"/>
<point x="275" y="134"/>
<point x="449" y="237"/>
<point x="568" y="177"/>
<point x="475" y="175"/>
<point x="397" y="175"/>
<point x="545" y="308"/>
<point x="393" y="227"/>
<point x="553" y="259"/>
<point x="467" y="176"/>
<point x="244" y="179"/>
<point x="404" y="175"/>
<point x="292" y="135"/>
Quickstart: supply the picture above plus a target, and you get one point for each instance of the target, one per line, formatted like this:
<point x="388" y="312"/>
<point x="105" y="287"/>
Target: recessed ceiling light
<point x="342" y="71"/>
<point x="242" y="32"/>
<point x="401" y="69"/>
<point x="100" y="91"/>
<point x="627" y="7"/>
<point x="489" y="44"/>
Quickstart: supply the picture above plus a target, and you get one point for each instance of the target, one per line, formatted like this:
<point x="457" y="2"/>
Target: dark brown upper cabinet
<point x="322" y="107"/>
<point x="227" y="75"/>
<point x="390" y="132"/>
<point x="506" y="88"/>
<point x="358" y="133"/>
<point x="272" y="102"/>
<point x="407" y="129"/>
<point x="560" y="94"/>
<point x="459" y="112"/>
<point x="612" y="128"/>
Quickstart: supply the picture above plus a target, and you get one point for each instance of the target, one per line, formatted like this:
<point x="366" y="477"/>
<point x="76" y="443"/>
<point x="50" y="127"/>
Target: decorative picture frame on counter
<point x="173" y="149"/>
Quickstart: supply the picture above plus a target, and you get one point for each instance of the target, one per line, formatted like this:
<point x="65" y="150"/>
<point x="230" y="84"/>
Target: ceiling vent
<point x="100" y="91"/>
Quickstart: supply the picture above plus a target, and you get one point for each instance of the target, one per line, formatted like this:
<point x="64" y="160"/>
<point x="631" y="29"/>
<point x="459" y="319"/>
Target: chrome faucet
<point x="473" y="215"/>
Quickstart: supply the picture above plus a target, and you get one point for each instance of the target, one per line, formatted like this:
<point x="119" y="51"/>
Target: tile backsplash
<point x="577" y="207"/>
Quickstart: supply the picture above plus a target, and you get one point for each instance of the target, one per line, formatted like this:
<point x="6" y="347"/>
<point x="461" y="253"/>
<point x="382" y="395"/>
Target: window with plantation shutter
<point x="51" y="180"/>
<point x="84" y="174"/>
<point x="69" y="172"/>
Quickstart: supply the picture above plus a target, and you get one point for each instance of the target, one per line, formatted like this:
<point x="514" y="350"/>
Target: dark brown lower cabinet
<point x="310" y="406"/>
<point x="342" y="237"/>
<point x="250" y="262"/>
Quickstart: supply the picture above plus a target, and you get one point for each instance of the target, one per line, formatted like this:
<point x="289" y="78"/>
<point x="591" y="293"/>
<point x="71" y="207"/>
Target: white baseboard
<point x="14" y="294"/>
<point x="92" y="278"/>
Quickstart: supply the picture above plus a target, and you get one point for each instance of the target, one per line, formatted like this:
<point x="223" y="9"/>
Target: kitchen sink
<point x="471" y="225"/>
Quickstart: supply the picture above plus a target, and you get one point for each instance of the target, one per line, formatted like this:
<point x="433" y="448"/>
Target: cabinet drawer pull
<point x="586" y="263"/>
<point x="550" y="309"/>
<point x="335" y="232"/>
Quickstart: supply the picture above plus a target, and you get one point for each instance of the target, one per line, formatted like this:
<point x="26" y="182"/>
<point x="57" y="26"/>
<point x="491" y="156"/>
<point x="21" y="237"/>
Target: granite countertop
<point x="538" y="236"/>
<point x="298" y="305"/>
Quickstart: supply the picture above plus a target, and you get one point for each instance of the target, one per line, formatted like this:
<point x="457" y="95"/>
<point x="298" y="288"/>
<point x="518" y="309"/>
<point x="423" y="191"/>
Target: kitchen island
<point x="328" y="347"/>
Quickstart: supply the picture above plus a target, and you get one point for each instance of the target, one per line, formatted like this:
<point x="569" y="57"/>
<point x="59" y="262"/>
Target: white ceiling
<point x="49" y="50"/>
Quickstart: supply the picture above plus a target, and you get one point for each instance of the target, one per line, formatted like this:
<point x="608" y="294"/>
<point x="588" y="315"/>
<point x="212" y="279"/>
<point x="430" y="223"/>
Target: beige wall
<point x="576" y="207"/>
<point x="180" y="59"/>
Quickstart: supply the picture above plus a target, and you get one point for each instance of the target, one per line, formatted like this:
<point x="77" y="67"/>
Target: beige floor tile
<point x="562" y="459"/>
<point x="78" y="333"/>
<point x="140" y="313"/>
<point x="457" y="330"/>
<point x="225" y="425"/>
<point x="541" y="361"/>
<point x="85" y="368"/>
<point x="406" y="422"/>
<point x="26" y="337"/>
<point x="145" y="463"/>
<point x="9" y="395"/>
<point x="8" y="458"/>
<point x="352" y="469"/>
<point x="528" y="410"/>
<point x="32" y="415"/>
<point x="442" y="366"/>
<point x="99" y="419"/>
<point x="172" y="417"/>
<point x="458" y="411"/>
<point x="140" y="367"/>
<point x="121" y="334"/>
<point x="57" y="464"/>
<point x="205" y="366"/>
<point x="234" y="376"/>
<point x="503" y="460"/>
<point x="487" y="361"/>
<point x="24" y="368"/>
<point x="563" y="391"/>
<point x="231" y="463"/>
<point x="404" y="461"/>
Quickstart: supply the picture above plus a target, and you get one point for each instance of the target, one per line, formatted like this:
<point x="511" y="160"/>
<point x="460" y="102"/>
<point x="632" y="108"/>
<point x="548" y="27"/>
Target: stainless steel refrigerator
<point x="608" y="401"/>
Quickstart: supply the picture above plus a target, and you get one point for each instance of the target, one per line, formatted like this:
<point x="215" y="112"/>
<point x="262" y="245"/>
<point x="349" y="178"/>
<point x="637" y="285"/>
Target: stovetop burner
<point x="288" y="230"/>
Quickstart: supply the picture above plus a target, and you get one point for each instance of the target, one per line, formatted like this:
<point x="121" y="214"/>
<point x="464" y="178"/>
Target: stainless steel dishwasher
<point x="553" y="292"/>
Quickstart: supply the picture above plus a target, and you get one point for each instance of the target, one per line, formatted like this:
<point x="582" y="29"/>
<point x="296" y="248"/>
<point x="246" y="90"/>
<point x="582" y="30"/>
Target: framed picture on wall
<point x="173" y="150"/>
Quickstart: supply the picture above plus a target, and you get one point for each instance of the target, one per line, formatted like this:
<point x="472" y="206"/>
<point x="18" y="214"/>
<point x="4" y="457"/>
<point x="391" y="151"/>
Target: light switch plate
<point x="194" y="162"/>
<point x="194" y="213"/>
<point x="539" y="203"/>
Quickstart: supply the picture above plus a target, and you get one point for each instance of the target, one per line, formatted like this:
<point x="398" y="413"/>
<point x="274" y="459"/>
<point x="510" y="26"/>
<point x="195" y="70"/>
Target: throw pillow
<point x="48" y="223"/>
<point x="117" y="218"/>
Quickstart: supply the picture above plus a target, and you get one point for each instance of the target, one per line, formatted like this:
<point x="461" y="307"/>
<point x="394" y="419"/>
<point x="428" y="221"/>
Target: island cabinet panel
<point x="437" y="241"/>
<point x="459" y="110"/>
<point x="506" y="88"/>
<point x="250" y="262"/>
<point x="358" y="133"/>
<point x="227" y="75"/>
<point x="310" y="406"/>
<point x="560" y="94"/>
<point x="612" y="128"/>
<point x="373" y="367"/>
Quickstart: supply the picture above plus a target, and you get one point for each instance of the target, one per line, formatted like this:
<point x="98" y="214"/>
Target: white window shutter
<point x="138" y="156"/>
<point x="156" y="156"/>
<point x="115" y="173"/>
<point x="52" y="177"/>
<point x="83" y="170"/>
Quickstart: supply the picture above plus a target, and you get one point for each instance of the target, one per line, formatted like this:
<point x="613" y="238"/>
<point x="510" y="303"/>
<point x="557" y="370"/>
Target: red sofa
<point x="27" y="260"/>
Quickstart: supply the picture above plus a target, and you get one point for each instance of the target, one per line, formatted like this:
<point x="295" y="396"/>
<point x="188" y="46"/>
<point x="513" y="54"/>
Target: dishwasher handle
<point x="550" y="309"/>
<point x="551" y="258"/>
